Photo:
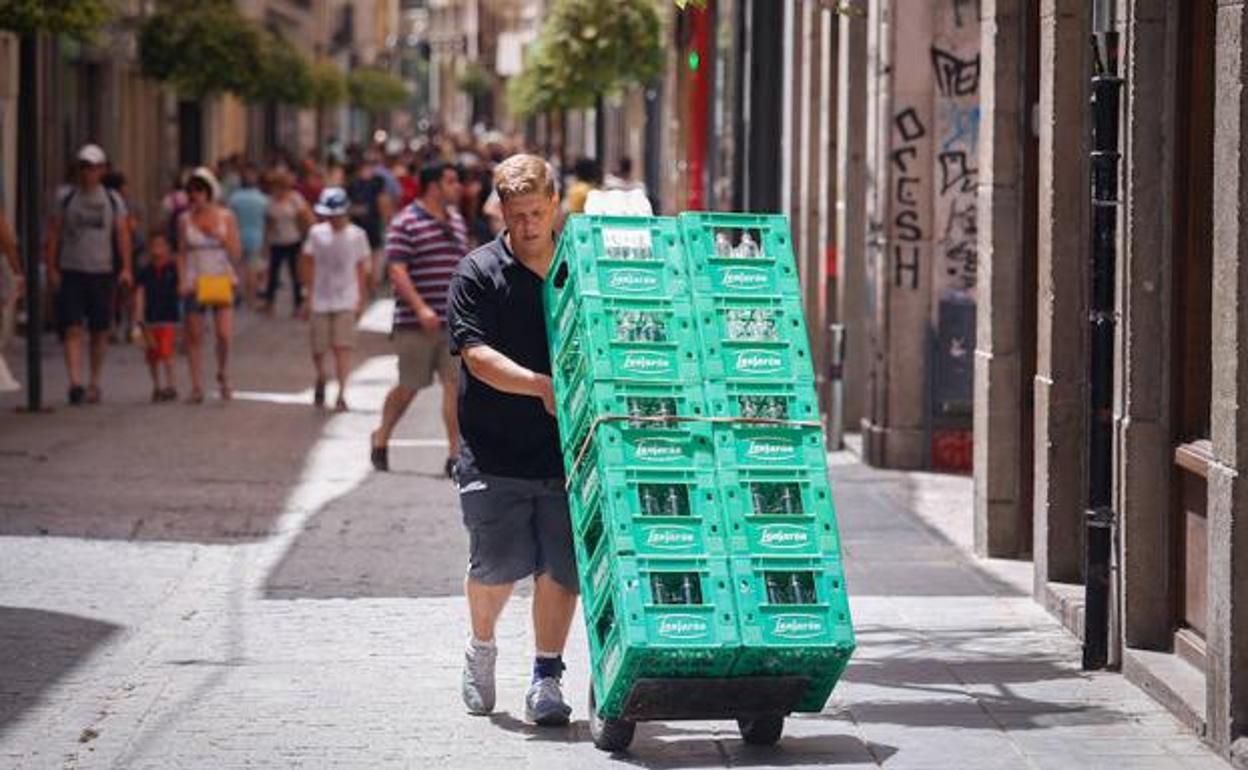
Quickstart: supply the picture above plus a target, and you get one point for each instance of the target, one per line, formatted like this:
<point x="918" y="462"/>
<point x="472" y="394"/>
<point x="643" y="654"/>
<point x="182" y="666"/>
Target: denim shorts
<point x="516" y="528"/>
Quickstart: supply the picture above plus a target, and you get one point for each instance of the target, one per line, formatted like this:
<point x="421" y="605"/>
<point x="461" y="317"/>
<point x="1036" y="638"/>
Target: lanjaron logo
<point x="658" y="450"/>
<point x="759" y="361"/>
<point x="670" y="538"/>
<point x="771" y="449"/>
<point x="746" y="278"/>
<point x="632" y="280"/>
<point x="683" y="627"/>
<point x="798" y="626"/>
<point x="781" y="536"/>
<point x="647" y="363"/>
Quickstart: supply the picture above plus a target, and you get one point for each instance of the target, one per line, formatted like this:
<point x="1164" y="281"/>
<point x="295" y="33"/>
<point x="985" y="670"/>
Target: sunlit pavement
<point x="230" y="585"/>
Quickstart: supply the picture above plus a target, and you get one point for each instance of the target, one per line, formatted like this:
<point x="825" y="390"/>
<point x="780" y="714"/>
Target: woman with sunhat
<point x="208" y="249"/>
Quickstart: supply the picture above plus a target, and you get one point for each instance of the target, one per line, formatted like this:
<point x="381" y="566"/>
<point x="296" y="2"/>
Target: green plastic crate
<point x="666" y="514"/>
<point x="787" y="632"/>
<point x="588" y="400"/>
<point x="779" y="513"/>
<point x="618" y="339"/>
<point x="616" y="257"/>
<point x="753" y="339"/>
<point x="631" y="636"/>
<point x="770" y="446"/>
<point x="767" y="399"/>
<point x="721" y="262"/>
<point x="614" y="445"/>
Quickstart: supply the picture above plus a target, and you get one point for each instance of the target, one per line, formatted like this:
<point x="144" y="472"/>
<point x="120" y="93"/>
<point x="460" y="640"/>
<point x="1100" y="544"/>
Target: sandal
<point x="227" y="392"/>
<point x="196" y="397"/>
<point x="318" y="394"/>
<point x="341" y="406"/>
<point x="379" y="456"/>
<point x="158" y="395"/>
<point x="93" y="394"/>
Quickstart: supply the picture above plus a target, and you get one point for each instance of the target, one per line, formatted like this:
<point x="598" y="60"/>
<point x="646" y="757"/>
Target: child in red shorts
<point x="158" y="305"/>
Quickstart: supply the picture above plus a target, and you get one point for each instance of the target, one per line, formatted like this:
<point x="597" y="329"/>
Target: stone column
<point x="897" y="433"/>
<point x="1062" y="286"/>
<point x="999" y="516"/>
<point x="1227" y="669"/>
<point x="851" y="214"/>
<point x="1142" y="380"/>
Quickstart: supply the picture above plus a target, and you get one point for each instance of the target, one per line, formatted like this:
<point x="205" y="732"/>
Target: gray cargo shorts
<point x="516" y="528"/>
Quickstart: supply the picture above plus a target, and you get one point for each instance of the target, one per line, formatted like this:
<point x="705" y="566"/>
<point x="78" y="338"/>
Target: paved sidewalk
<point x="230" y="586"/>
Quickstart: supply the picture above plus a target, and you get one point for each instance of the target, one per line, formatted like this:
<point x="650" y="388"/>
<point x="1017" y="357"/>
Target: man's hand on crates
<point x="546" y="392"/>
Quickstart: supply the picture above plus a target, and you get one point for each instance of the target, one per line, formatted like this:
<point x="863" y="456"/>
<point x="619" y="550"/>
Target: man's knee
<point x="401" y="394"/>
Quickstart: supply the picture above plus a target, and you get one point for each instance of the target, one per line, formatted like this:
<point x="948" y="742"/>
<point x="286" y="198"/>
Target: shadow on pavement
<point x="126" y="469"/>
<point x="889" y="550"/>
<point x="37" y="648"/>
<point x="661" y="745"/>
<point x="397" y="534"/>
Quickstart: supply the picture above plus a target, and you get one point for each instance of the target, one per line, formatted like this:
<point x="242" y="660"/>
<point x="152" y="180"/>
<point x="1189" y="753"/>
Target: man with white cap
<point x="86" y="252"/>
<point x="334" y="264"/>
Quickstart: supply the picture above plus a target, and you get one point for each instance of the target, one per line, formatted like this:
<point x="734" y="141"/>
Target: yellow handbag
<point x="214" y="290"/>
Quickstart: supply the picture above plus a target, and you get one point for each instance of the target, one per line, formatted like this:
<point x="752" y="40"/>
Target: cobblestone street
<point x="231" y="586"/>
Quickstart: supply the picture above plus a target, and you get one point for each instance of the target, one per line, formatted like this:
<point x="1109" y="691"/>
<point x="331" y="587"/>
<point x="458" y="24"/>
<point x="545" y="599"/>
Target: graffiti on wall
<point x="955" y="169"/>
<point x="908" y="233"/>
<point x="964" y="12"/>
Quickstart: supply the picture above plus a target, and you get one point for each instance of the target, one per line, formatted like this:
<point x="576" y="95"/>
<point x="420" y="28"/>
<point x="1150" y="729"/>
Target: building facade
<point x="1178" y="616"/>
<point x="935" y="160"/>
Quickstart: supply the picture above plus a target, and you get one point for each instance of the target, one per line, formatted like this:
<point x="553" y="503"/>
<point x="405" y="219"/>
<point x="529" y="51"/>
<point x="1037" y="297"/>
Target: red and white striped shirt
<point x="430" y="249"/>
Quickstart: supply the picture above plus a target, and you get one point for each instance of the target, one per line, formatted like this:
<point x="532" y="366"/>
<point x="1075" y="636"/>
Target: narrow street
<point x="231" y="585"/>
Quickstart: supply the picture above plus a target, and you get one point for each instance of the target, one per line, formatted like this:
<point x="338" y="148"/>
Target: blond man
<point x="510" y="472"/>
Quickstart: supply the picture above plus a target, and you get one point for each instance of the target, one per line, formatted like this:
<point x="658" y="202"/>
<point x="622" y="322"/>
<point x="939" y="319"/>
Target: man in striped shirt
<point x="424" y="245"/>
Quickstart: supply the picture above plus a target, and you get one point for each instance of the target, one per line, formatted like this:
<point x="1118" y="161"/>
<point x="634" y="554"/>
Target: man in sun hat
<point x="86" y="252"/>
<point x="334" y="265"/>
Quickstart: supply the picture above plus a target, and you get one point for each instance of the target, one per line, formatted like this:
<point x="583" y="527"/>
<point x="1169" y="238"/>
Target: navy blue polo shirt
<point x="162" y="305"/>
<point x="497" y="301"/>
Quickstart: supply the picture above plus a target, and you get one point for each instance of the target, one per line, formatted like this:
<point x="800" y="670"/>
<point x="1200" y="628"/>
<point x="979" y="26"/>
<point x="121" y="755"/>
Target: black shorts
<point x="86" y="296"/>
<point x="517" y="528"/>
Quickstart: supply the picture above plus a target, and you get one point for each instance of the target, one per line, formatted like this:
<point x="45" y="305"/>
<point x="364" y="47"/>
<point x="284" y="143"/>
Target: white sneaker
<point x="544" y="704"/>
<point x="477" y="685"/>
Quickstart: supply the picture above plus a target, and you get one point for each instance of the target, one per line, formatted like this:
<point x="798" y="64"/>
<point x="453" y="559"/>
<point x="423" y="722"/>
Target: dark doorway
<point x="1193" y="282"/>
<point x="190" y="134"/>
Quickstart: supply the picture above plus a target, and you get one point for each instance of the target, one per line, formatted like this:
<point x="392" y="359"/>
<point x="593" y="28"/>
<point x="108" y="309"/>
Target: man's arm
<point x="51" y="248"/>
<point x="501" y="373"/>
<point x="140" y="304"/>
<point x="307" y="274"/>
<point x="385" y="207"/>
<point x="8" y="245"/>
<point x="125" y="240"/>
<point x="406" y="290"/>
<point x="361" y="279"/>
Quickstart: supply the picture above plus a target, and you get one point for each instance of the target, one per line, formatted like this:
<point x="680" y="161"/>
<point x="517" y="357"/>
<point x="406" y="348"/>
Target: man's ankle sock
<point x="546" y="664"/>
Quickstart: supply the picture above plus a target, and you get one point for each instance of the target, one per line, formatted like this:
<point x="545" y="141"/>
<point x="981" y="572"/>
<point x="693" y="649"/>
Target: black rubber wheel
<point x="609" y="734"/>
<point x="761" y="731"/>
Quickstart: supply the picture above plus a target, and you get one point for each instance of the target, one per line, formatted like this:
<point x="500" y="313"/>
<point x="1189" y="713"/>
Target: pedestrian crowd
<point x="462" y="233"/>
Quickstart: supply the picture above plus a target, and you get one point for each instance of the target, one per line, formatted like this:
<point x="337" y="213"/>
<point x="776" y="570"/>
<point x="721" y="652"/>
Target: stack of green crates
<point x="706" y="547"/>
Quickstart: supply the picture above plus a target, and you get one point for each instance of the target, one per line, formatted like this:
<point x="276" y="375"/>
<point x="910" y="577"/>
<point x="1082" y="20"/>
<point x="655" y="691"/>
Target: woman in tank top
<point x="286" y="221"/>
<point x="208" y="245"/>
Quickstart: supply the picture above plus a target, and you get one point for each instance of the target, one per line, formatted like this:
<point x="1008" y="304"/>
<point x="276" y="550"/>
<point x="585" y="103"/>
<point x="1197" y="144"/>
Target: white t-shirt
<point x="335" y="254"/>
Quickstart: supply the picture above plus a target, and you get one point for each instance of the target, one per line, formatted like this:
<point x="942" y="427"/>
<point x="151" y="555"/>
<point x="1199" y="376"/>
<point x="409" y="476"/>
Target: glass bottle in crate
<point x="777" y="589"/>
<point x="748" y="248"/>
<point x="649" y="500"/>
<point x="675" y="494"/>
<point x="691" y="589"/>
